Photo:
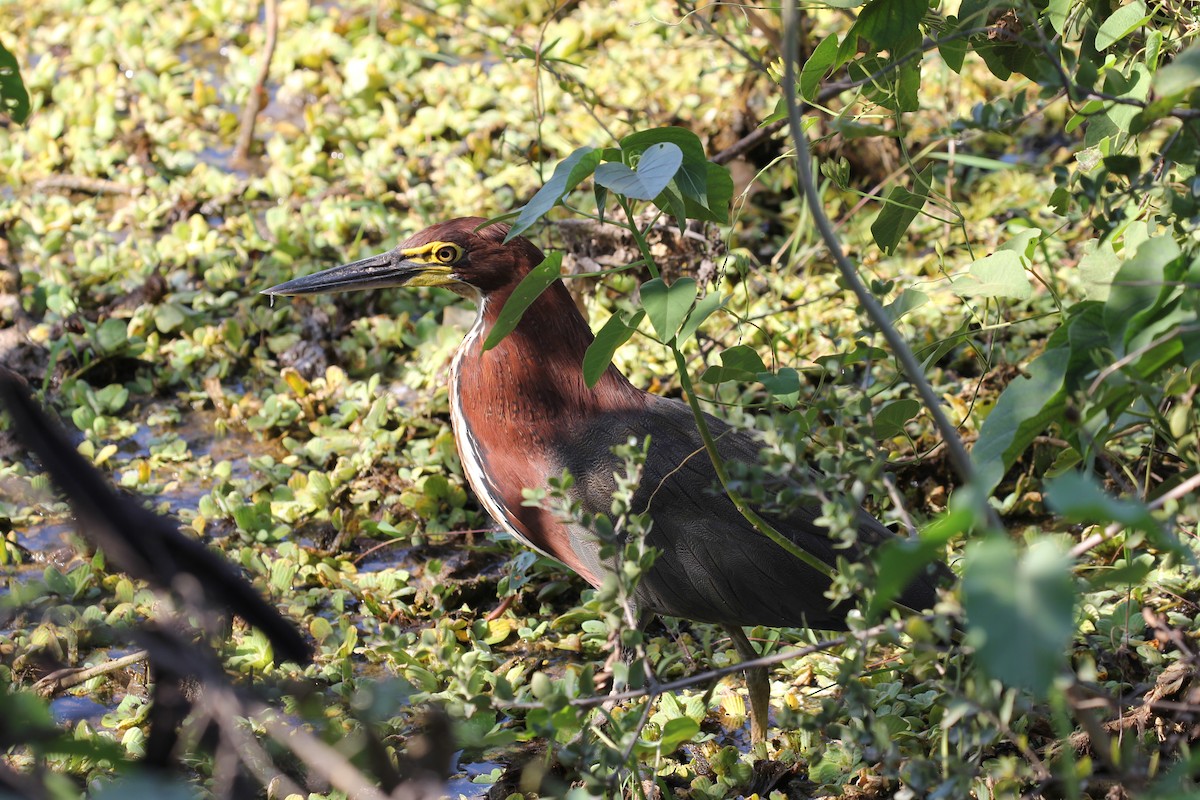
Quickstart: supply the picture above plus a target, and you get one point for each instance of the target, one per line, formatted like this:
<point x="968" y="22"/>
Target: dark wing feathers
<point x="714" y="566"/>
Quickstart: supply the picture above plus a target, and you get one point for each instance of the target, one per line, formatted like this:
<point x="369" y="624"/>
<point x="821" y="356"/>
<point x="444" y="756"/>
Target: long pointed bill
<point x="382" y="271"/>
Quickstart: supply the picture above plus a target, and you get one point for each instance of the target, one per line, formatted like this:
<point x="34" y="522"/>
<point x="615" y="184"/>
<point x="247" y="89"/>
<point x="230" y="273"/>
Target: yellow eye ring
<point x="446" y="254"/>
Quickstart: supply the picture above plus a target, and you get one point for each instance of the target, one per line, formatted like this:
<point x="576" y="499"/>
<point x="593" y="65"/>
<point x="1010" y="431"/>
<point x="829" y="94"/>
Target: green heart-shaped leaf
<point x="657" y="167"/>
<point x="667" y="306"/>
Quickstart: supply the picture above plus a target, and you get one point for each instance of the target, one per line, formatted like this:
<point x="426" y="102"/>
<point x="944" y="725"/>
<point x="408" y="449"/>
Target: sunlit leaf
<point x="1002" y="274"/>
<point x="1122" y="22"/>
<point x="655" y="169"/>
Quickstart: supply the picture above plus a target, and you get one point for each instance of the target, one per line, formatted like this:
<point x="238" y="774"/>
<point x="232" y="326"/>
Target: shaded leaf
<point x="817" y="67"/>
<point x="889" y="420"/>
<point x="528" y="290"/>
<point x="891" y="25"/>
<point x="111" y="335"/>
<point x="569" y="173"/>
<point x="719" y="185"/>
<point x="850" y="128"/>
<point x="1024" y="409"/>
<point x="900" y="209"/>
<point x="1079" y="498"/>
<point x="667" y="306"/>
<point x="953" y="50"/>
<point x="900" y="560"/>
<point x="168" y="317"/>
<point x="671" y="202"/>
<point x="688" y="142"/>
<point x="1097" y="268"/>
<point x="655" y="170"/>
<point x="1181" y="74"/>
<point x="909" y="300"/>
<point x="784" y="385"/>
<point x="702" y="310"/>
<point x="1137" y="289"/>
<point x="14" y="99"/>
<point x="1012" y="597"/>
<point x="738" y="363"/>
<point x="601" y="195"/>
<point x="692" y="177"/>
<point x="612" y="335"/>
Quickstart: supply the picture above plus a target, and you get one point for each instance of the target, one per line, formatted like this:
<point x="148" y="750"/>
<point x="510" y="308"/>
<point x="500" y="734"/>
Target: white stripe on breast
<point x="468" y="448"/>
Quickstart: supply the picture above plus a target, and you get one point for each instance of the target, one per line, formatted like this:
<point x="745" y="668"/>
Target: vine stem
<point x="955" y="448"/>
<point x="739" y="502"/>
<point x="710" y="444"/>
<point x="638" y="236"/>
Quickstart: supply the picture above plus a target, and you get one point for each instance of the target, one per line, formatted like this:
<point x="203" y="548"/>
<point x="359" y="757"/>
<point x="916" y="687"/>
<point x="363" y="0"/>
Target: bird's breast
<point x="504" y="451"/>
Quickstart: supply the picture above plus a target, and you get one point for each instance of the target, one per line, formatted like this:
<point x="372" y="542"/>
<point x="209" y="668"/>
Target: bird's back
<point x="714" y="566"/>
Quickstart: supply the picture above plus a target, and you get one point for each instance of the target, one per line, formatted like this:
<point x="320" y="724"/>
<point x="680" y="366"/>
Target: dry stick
<point x="258" y="92"/>
<point x="56" y="682"/>
<point x="912" y="368"/>
<point x="220" y="703"/>
<point x="83" y="183"/>
<point x="757" y="136"/>
<point x="748" y="142"/>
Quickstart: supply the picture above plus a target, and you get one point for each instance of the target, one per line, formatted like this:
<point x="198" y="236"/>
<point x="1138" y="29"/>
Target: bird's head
<point x="457" y="254"/>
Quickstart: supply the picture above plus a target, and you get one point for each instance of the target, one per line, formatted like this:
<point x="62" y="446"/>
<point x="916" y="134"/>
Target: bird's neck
<point x="534" y="376"/>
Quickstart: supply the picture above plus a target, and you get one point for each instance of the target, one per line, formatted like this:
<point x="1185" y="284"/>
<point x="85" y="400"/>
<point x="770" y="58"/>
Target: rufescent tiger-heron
<point x="522" y="413"/>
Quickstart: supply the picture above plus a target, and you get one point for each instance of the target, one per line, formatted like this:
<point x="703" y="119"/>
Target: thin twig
<point x="720" y="672"/>
<point x="318" y="756"/>
<point x="1129" y="358"/>
<point x="1183" y="489"/>
<point x="955" y="449"/>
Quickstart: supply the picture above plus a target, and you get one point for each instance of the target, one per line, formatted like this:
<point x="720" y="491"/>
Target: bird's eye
<point x="446" y="254"/>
